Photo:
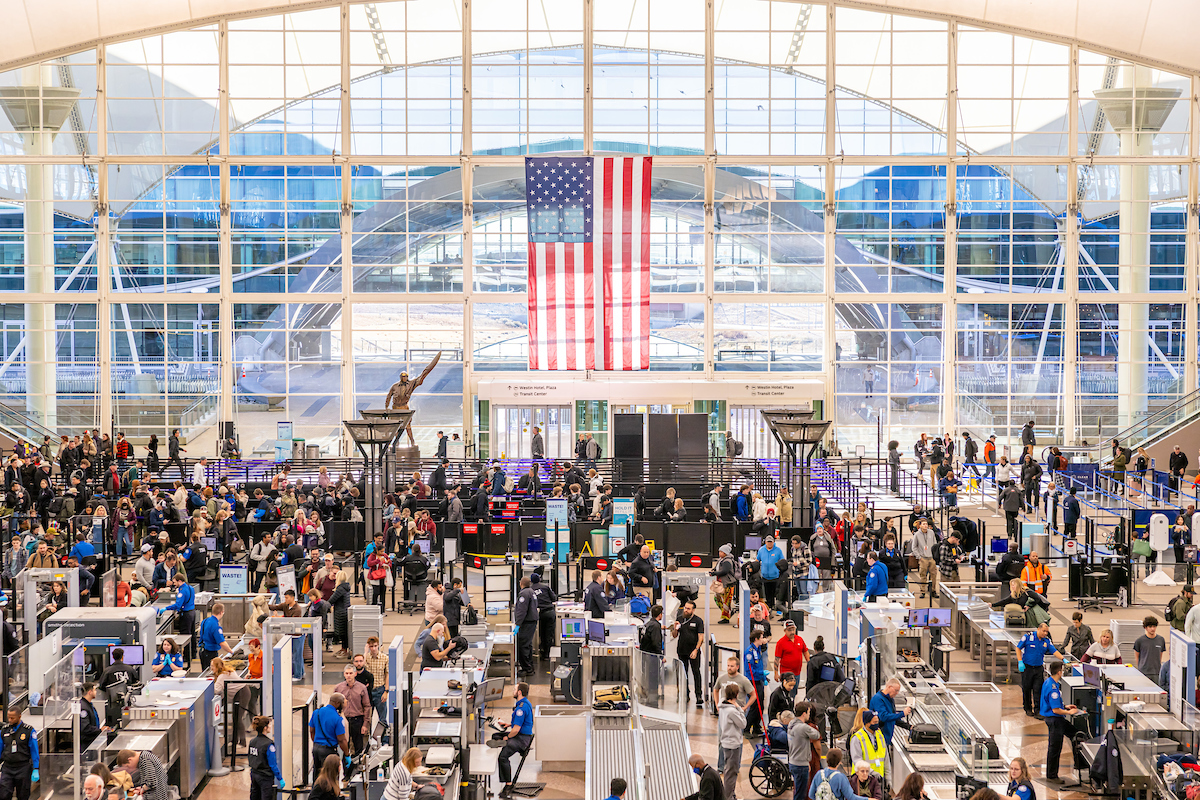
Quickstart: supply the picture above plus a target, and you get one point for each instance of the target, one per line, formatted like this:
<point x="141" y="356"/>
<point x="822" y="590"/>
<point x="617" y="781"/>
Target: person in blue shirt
<point x="1033" y="649"/>
<point x="212" y="636"/>
<point x="1055" y="714"/>
<point x="83" y="548"/>
<point x="769" y="556"/>
<point x="884" y="706"/>
<point x="877" y="578"/>
<point x="756" y="671"/>
<point x="616" y="788"/>
<point x="1020" y="784"/>
<point x="838" y="781"/>
<point x="327" y="730"/>
<point x="948" y="486"/>
<point x="185" y="605"/>
<point x="743" y="509"/>
<point x="519" y="735"/>
<point x="167" y="660"/>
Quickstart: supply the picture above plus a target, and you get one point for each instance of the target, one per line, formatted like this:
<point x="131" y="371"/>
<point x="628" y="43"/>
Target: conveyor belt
<point x="612" y="755"/>
<point x="663" y="746"/>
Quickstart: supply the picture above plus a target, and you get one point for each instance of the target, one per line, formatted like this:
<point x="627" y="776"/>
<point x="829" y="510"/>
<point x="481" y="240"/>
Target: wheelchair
<point x="769" y="774"/>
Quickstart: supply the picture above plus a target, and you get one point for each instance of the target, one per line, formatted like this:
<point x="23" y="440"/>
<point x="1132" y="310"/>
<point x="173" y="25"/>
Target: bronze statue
<point x="401" y="391"/>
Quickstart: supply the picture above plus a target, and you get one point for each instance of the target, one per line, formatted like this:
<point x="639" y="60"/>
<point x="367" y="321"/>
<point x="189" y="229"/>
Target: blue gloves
<point x="282" y="783"/>
<point x="34" y="776"/>
<point x="346" y="761"/>
<point x="1020" y="666"/>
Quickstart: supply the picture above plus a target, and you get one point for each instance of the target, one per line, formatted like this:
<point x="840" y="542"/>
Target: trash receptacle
<point x="297" y="449"/>
<point x="599" y="541"/>
<point x="1040" y="543"/>
<point x="312" y="451"/>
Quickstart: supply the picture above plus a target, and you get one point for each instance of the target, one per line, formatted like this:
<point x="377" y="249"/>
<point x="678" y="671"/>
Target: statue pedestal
<point x="408" y="459"/>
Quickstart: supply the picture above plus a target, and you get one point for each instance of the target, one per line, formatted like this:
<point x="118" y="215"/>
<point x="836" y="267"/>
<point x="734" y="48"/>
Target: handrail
<point x="13" y="422"/>
<point x="1129" y="436"/>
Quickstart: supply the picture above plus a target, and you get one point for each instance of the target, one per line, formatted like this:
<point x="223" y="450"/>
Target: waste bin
<point x="1040" y="543"/>
<point x="599" y="541"/>
<point x="312" y="451"/>
<point x="297" y="449"/>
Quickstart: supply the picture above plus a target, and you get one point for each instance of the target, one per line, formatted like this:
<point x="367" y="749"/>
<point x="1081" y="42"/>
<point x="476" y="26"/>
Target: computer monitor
<point x="1091" y="675"/>
<point x="999" y="545"/>
<point x="918" y="617"/>
<point x="135" y="654"/>
<point x="939" y="617"/>
<point x="419" y="546"/>
<point x="209" y="542"/>
<point x="572" y="629"/>
<point x="753" y="543"/>
<point x="595" y="631"/>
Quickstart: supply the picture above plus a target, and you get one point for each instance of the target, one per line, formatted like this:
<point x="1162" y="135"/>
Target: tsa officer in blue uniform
<point x="519" y="736"/>
<point x="1033" y="649"/>
<point x="185" y="605"/>
<point x="212" y="637"/>
<point x="19" y="765"/>
<point x="1055" y="714"/>
<point x="328" y="731"/>
<point x="264" y="766"/>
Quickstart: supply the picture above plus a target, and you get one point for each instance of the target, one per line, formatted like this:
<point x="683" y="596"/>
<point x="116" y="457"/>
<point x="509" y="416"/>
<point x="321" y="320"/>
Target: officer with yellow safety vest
<point x="869" y="745"/>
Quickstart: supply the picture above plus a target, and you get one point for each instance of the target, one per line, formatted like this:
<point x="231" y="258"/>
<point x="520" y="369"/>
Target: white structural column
<point x="37" y="109"/>
<point x="104" y="339"/>
<point x="830" y="219"/>
<point x="1136" y="110"/>
<point x="950" y="229"/>
<point x="229" y="377"/>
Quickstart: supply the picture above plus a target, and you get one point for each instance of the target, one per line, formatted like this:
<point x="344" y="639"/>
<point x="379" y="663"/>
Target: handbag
<point x="1141" y="547"/>
<point x="389" y="579"/>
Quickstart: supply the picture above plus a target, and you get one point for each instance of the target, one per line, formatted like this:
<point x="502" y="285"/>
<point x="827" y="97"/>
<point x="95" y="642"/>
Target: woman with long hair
<point x="913" y="788"/>
<point x="328" y="785"/>
<point x="1020" y="785"/>
<point x="399" y="785"/>
<point x="168" y="660"/>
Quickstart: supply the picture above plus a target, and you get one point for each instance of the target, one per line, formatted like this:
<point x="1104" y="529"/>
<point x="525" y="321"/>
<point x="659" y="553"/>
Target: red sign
<point x="477" y="562"/>
<point x="695" y="561"/>
<point x="601" y="563"/>
<point x="470" y="528"/>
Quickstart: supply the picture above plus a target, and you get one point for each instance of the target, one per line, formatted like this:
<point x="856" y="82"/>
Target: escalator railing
<point x="17" y="425"/>
<point x="1181" y="412"/>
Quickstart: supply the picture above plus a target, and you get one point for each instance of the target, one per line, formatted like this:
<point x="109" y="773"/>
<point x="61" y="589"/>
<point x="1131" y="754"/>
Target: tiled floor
<point x="1020" y="735"/>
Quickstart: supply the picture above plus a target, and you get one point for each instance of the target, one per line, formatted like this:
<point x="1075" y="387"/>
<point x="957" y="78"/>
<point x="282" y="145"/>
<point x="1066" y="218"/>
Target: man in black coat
<point x="710" y="780"/>
<point x="642" y="572"/>
<point x="441" y="445"/>
<point x="1178" y="463"/>
<point x="437" y="480"/>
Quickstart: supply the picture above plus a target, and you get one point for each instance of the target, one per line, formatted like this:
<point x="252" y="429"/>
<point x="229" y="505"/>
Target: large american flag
<point x="589" y="262"/>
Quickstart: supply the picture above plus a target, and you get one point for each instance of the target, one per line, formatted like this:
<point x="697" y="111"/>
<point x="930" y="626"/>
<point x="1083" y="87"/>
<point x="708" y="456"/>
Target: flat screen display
<point x="135" y="655"/>
<point x="572" y="629"/>
<point x="918" y="617"/>
<point x="939" y="617"/>
<point x="595" y="630"/>
<point x="1091" y="675"/>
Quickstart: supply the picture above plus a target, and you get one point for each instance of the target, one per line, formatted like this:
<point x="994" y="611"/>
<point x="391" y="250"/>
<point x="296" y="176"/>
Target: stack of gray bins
<point x="365" y="621"/>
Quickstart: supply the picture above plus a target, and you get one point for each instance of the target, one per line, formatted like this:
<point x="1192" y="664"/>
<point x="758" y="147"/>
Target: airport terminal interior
<point x="513" y="377"/>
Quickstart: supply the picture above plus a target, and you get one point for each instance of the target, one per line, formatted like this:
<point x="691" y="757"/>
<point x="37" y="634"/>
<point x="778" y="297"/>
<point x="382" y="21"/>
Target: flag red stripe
<point x="627" y="265"/>
<point x="531" y="306"/>
<point x="607" y="238"/>
<point x="551" y="303"/>
<point x="568" y="296"/>
<point x="589" y="305"/>
<point x="644" y="266"/>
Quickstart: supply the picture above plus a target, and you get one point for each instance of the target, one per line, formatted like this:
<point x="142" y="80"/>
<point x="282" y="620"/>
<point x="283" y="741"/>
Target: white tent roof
<point x="1161" y="32"/>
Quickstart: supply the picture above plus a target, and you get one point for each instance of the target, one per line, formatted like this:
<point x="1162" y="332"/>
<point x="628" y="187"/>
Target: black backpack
<point x="1169" y="611"/>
